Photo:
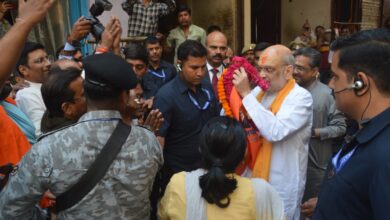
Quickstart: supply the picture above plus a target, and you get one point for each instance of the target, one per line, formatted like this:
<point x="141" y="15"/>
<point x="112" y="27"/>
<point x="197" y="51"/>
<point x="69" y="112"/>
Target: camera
<point x="96" y="10"/>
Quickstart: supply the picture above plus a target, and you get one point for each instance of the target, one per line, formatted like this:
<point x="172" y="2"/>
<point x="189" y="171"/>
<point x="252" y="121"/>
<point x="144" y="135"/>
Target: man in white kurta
<point x="289" y="130"/>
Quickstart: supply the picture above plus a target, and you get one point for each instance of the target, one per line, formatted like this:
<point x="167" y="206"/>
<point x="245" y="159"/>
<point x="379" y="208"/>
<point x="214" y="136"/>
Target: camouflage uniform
<point x="58" y="161"/>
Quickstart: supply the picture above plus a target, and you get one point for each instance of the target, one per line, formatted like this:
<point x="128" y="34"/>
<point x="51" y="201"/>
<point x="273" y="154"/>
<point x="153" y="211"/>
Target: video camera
<point x="96" y="10"/>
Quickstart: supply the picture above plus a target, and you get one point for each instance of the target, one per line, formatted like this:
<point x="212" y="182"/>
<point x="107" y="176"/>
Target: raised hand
<point x="80" y="29"/>
<point x="241" y="82"/>
<point x="112" y="29"/>
<point x="116" y="45"/>
<point x="154" y="120"/>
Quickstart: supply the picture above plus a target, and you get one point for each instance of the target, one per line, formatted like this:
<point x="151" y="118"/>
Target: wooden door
<point x="266" y="21"/>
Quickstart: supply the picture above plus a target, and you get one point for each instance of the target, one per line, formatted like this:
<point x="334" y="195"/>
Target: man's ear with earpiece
<point x="179" y="65"/>
<point x="361" y="83"/>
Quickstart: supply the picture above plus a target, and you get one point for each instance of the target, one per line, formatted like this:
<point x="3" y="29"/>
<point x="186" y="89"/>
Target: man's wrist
<point x="74" y="42"/>
<point x="245" y="93"/>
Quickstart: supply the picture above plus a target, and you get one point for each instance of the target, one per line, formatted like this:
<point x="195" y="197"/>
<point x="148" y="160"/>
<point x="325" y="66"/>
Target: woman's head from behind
<point x="222" y="145"/>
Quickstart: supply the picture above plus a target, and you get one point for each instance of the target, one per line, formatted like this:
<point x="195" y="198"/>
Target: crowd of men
<point x="101" y="136"/>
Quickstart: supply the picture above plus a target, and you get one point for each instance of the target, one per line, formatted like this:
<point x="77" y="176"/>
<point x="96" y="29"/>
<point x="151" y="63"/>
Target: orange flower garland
<point x="222" y="96"/>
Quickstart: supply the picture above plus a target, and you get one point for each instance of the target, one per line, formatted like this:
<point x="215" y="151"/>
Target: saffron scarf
<point x="262" y="162"/>
<point x="253" y="140"/>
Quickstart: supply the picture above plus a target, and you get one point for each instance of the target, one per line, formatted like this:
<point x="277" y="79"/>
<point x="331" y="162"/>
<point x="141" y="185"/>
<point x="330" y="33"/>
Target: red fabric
<point x="214" y="81"/>
<point x="10" y="100"/>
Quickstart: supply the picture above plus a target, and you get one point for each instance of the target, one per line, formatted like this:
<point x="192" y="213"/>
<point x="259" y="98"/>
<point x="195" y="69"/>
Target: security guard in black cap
<point x="109" y="71"/>
<point x="59" y="159"/>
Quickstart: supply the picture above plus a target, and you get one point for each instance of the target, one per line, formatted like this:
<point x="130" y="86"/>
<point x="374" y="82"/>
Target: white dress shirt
<point x="30" y="101"/>
<point x="289" y="131"/>
<point x="210" y="71"/>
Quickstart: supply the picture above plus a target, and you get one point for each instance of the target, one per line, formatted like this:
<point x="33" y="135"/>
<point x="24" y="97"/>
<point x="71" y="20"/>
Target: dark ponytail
<point x="222" y="144"/>
<point x="216" y="187"/>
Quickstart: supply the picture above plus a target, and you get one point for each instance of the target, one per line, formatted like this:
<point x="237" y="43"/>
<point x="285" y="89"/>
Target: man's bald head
<point x="279" y="53"/>
<point x="277" y="65"/>
<point x="216" y="44"/>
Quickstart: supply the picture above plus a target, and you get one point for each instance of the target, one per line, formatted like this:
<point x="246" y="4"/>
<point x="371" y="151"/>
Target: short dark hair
<point x="27" y="49"/>
<point x="371" y="58"/>
<point x="152" y="40"/>
<point x="55" y="90"/>
<point x="136" y="52"/>
<point x="213" y="28"/>
<point x="183" y="7"/>
<point x="367" y="51"/>
<point x="190" y="48"/>
<point x="262" y="46"/>
<point x="314" y="56"/>
<point x="222" y="146"/>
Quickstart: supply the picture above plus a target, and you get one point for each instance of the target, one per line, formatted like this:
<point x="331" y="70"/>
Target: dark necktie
<point x="214" y="81"/>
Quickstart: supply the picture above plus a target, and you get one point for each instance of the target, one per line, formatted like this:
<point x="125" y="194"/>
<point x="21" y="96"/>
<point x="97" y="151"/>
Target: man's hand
<point x="112" y="29"/>
<point x="154" y="120"/>
<point x="308" y="207"/>
<point x="148" y="104"/>
<point x="241" y="82"/>
<point x="18" y="86"/>
<point x="80" y="29"/>
<point x="116" y="45"/>
<point x="33" y="11"/>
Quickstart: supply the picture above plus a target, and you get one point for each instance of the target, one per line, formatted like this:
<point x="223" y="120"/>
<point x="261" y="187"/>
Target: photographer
<point x="80" y="30"/>
<point x="144" y="15"/>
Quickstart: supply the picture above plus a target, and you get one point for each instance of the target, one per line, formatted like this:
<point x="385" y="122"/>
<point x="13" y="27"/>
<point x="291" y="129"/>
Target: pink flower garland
<point x="253" y="75"/>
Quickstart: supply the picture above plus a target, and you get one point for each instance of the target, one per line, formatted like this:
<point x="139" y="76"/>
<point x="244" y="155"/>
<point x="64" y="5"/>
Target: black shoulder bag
<point x="96" y="171"/>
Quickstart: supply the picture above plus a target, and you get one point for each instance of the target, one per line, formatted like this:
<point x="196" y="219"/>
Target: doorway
<point x="266" y="21"/>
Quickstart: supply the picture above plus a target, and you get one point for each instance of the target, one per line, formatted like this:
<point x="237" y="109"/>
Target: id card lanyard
<point x="338" y="163"/>
<point x="157" y="74"/>
<point x="196" y="103"/>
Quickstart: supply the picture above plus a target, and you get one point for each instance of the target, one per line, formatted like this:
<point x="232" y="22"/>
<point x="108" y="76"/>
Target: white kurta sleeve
<point x="295" y="112"/>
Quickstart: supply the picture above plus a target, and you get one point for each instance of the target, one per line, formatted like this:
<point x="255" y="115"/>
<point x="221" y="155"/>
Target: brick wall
<point x="371" y="11"/>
